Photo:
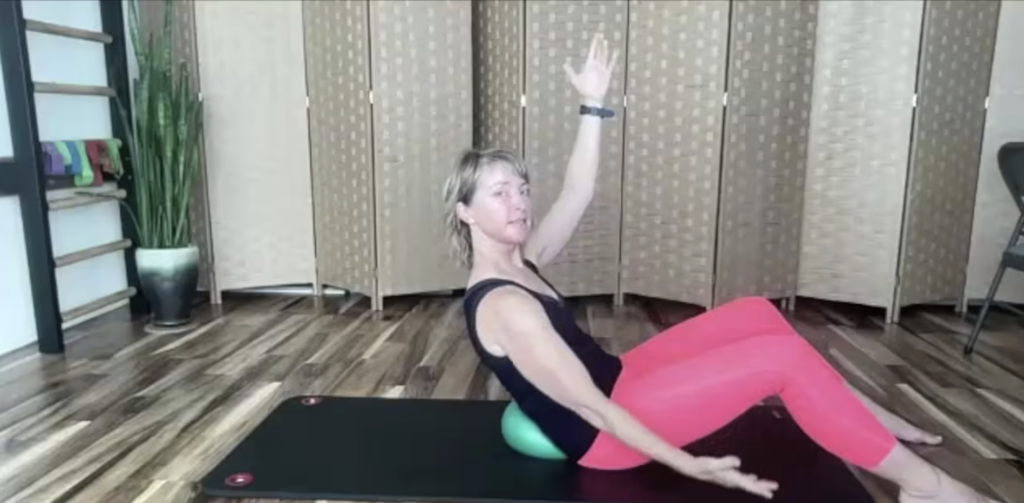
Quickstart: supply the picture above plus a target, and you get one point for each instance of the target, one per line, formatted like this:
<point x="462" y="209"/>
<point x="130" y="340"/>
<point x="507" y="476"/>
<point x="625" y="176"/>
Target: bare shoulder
<point x="506" y="303"/>
<point x="508" y="311"/>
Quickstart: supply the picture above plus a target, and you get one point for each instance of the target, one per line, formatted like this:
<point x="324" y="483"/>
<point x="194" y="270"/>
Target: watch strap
<point x="601" y="112"/>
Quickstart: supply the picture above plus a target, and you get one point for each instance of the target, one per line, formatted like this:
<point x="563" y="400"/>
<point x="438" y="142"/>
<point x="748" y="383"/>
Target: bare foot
<point x="907" y="432"/>
<point x="948" y="490"/>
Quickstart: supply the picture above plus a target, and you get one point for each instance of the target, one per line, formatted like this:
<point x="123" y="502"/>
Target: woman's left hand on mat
<point x="724" y="471"/>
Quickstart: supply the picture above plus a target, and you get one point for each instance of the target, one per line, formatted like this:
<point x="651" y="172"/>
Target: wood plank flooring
<point x="126" y="416"/>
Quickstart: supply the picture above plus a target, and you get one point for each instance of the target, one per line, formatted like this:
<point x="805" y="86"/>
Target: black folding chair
<point x="1011" y="165"/>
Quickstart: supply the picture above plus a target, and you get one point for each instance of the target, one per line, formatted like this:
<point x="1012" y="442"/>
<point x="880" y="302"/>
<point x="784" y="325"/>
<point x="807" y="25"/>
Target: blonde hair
<point x="461" y="187"/>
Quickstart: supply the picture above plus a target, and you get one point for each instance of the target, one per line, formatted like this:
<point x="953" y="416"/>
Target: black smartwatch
<point x="601" y="112"/>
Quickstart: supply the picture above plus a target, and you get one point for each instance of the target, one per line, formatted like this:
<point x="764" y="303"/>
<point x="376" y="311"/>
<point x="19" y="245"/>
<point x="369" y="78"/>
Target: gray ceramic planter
<point x="169" y="278"/>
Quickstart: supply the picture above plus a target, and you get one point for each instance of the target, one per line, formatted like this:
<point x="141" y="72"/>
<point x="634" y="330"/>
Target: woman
<point x="609" y="412"/>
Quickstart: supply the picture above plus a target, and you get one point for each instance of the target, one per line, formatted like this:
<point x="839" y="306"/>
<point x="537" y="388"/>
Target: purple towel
<point x="53" y="159"/>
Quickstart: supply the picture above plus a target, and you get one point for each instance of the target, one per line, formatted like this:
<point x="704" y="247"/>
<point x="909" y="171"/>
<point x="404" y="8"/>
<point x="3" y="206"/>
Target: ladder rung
<point x="95" y="251"/>
<point x="67" y="31"/>
<point x="74" y="89"/>
<point x="87" y="199"/>
<point x="100" y="303"/>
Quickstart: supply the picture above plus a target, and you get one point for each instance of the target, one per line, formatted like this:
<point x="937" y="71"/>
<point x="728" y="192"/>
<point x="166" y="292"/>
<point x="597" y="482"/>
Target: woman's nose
<point x="518" y="201"/>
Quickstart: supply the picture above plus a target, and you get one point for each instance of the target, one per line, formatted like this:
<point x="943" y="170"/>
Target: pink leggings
<point x="695" y="377"/>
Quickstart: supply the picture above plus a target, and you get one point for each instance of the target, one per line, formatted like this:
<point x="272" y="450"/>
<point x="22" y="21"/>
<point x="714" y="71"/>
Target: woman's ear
<point x="463" y="213"/>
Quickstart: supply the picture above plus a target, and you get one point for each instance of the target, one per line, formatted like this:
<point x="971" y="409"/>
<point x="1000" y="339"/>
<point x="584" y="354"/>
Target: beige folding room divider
<point x="827" y="149"/>
<point x="340" y="186"/>
<point x="767" y="118"/>
<point x="676" y="67"/>
<point x="338" y="77"/>
<point x="557" y="31"/>
<point x="862" y="111"/>
<point x="667" y="140"/>
<point x="498" y="87"/>
<point x="252" y="75"/>
<point x="391" y="107"/>
<point x="780" y="154"/>
<point x="683" y="235"/>
<point x="422" y="119"/>
<point x="893" y="150"/>
<point x="953" y="83"/>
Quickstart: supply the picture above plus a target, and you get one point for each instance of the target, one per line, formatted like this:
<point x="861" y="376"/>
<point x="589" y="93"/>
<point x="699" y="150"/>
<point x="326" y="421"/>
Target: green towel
<point x="114" y="152"/>
<point x="86" y="177"/>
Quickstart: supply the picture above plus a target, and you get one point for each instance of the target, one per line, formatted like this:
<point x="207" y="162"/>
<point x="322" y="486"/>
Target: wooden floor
<point x="127" y="416"/>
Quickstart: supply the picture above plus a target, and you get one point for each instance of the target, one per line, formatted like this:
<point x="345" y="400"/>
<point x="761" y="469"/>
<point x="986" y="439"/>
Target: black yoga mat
<point x="383" y="449"/>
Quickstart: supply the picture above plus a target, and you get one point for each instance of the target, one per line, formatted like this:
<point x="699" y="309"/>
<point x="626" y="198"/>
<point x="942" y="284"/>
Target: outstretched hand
<point x="724" y="472"/>
<point x="593" y="79"/>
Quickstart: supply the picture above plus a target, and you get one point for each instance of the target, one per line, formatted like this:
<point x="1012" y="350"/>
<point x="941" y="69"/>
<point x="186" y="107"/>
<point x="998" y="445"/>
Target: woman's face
<point x="500" y="208"/>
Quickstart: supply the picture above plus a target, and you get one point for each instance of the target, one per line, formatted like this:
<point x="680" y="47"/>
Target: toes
<point x="922" y="437"/>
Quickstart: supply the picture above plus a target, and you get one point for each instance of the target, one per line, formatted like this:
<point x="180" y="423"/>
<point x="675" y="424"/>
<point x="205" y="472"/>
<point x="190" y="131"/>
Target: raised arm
<point x="523" y="333"/>
<point x="554" y="231"/>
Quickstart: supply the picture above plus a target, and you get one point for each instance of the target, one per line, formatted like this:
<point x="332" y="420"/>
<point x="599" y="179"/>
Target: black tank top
<point x="565" y="428"/>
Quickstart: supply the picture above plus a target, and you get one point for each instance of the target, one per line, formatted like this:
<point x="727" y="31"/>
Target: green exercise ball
<point x="523" y="435"/>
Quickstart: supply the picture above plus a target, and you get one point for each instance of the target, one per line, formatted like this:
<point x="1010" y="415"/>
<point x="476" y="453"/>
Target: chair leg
<point x="992" y="289"/>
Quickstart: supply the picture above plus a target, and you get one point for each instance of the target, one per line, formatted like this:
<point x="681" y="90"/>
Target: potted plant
<point x="163" y="141"/>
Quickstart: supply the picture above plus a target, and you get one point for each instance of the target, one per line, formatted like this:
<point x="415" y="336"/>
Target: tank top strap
<point x="473" y="296"/>
<point x="479" y="290"/>
<point x="533" y="267"/>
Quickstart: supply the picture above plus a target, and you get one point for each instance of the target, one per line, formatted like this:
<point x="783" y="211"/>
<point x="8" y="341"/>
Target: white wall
<point x="17" y="316"/>
<point x="65" y="61"/>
